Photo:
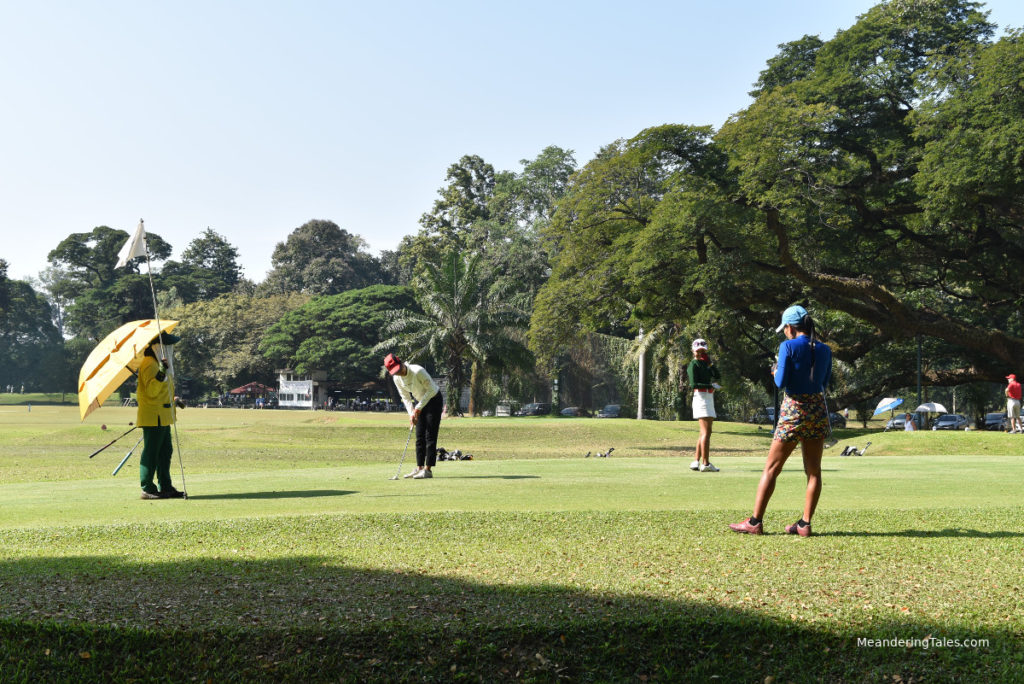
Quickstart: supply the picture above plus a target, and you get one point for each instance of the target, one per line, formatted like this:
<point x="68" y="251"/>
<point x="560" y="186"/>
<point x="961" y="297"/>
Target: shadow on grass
<point x="957" y="533"/>
<point x="307" y="618"/>
<point x="686" y="450"/>
<point x="298" y="494"/>
<point x="491" y="477"/>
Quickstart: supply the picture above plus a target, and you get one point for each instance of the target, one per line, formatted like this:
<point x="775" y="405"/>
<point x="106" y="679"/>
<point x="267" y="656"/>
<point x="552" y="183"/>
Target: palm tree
<point x="465" y="322"/>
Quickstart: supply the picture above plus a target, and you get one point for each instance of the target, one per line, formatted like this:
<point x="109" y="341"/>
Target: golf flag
<point x="135" y="247"/>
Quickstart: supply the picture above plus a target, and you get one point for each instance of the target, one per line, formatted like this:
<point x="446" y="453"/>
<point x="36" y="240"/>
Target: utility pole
<point x="641" y="384"/>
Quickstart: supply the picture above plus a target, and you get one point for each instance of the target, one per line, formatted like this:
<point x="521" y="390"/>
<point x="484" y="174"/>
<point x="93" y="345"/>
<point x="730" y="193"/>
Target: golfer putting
<point x="422" y="400"/>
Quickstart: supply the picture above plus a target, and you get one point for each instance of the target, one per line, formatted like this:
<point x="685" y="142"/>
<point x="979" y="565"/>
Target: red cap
<point x="392" y="363"/>
<point x="1011" y="376"/>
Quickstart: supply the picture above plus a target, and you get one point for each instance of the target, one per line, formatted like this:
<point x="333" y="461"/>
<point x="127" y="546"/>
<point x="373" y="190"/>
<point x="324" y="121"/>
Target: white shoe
<point x="695" y="465"/>
<point x="423" y="475"/>
<point x="708" y="468"/>
<point x="411" y="473"/>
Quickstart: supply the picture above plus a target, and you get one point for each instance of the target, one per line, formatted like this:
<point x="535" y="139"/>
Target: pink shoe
<point x="746" y="528"/>
<point x="796" y="529"/>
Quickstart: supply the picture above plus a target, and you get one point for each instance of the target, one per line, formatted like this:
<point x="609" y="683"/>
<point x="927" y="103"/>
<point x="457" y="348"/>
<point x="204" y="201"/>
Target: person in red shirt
<point x="1013" y="403"/>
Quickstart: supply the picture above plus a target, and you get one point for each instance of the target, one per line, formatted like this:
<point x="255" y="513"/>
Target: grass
<point x="296" y="558"/>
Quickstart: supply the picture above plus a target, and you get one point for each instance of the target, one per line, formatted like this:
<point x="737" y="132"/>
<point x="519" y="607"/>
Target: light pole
<point x="640" y="390"/>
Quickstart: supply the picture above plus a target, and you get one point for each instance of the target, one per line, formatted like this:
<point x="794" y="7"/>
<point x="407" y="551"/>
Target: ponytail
<point x="806" y="325"/>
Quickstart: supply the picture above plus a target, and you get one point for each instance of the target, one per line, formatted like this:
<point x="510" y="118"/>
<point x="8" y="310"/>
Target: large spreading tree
<point x="875" y="178"/>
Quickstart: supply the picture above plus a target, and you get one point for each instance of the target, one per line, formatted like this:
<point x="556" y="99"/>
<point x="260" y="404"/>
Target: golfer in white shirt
<point x="422" y="400"/>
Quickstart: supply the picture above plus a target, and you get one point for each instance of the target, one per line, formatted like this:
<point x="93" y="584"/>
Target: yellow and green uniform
<point x="155" y="417"/>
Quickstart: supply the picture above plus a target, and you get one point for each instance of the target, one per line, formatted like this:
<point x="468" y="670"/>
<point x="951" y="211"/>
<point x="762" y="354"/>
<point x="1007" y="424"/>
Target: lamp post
<point x="640" y="385"/>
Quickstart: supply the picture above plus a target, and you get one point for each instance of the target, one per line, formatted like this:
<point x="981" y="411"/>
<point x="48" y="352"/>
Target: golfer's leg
<point x="150" y="458"/>
<point x="432" y="415"/>
<point x="812" y="451"/>
<point x="706" y="425"/>
<point x="163" y="470"/>
<point x="777" y="455"/>
<point x="421" y="441"/>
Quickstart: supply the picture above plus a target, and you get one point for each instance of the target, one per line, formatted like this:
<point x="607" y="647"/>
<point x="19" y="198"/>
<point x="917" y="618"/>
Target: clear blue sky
<point x="253" y="117"/>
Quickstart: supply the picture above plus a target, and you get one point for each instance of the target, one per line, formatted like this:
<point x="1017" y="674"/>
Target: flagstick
<point x="163" y="355"/>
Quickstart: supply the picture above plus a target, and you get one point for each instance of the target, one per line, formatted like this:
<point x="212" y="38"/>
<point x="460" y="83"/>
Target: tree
<point x="862" y="182"/>
<point x="102" y="297"/>
<point x="337" y="333"/>
<point x="319" y="258"/>
<point x="220" y="345"/>
<point x="463" y="323"/>
<point x="208" y="268"/>
<point x="30" y="344"/>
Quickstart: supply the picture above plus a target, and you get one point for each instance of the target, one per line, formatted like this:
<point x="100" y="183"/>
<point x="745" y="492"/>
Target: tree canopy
<point x="853" y="184"/>
<point x="319" y="258"/>
<point x="336" y="334"/>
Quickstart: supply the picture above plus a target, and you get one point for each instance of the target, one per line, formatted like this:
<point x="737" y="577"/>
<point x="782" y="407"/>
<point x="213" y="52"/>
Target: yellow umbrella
<point x="113" y="360"/>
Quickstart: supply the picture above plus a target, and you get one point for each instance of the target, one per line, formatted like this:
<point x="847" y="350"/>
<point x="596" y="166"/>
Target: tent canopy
<point x="253" y="388"/>
<point x="930" y="407"/>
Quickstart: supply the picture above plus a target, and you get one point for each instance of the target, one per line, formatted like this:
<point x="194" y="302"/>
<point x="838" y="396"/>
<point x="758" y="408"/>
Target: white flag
<point x="135" y="247"/>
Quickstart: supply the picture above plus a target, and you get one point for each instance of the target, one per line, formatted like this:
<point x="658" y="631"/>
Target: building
<point x="301" y="391"/>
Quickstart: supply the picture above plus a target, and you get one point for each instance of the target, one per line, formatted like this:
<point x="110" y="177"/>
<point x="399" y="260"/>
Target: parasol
<point x="114" y="360"/>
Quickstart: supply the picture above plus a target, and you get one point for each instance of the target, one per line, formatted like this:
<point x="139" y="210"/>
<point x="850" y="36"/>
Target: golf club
<point x="112" y="442"/>
<point x="399" y="472"/>
<point x="831" y="441"/>
<point x="125" y="459"/>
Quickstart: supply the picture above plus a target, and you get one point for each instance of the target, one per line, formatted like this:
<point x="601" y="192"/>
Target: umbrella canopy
<point x="887" y="404"/>
<point x="931" y="407"/>
<point x="253" y="388"/>
<point x="114" y="360"/>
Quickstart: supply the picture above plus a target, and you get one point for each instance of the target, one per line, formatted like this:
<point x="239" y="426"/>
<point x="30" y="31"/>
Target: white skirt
<point x="704" y="405"/>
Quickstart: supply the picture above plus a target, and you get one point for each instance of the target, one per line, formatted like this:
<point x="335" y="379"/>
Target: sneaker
<point x="746" y="528"/>
<point x="149" y="495"/>
<point x="411" y="473"/>
<point x="708" y="468"/>
<point x="695" y="465"/>
<point x="423" y="475"/>
<point x="171" y="493"/>
<point x="796" y="529"/>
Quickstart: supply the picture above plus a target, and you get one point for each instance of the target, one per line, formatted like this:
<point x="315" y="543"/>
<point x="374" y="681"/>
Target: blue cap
<point x="792" y="316"/>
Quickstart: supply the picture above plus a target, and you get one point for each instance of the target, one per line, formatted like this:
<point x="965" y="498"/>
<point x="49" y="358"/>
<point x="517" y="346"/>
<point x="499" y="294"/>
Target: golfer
<point x="156" y="400"/>
<point x="702" y="375"/>
<point x="803" y="370"/>
<point x="415" y="384"/>
<point x="1013" y="403"/>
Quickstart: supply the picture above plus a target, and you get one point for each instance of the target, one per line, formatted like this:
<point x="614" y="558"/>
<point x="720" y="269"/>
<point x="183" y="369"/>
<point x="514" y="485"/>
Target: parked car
<point x="572" y="412"/>
<point x="764" y="416"/>
<point x="996" y="421"/>
<point x="950" y="421"/>
<point x="897" y="423"/>
<point x="837" y="420"/>
<point x="610" y="411"/>
<point x="536" y="409"/>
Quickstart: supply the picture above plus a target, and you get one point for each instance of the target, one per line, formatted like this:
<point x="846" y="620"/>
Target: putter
<point x="831" y="441"/>
<point x="399" y="472"/>
<point x="125" y="459"/>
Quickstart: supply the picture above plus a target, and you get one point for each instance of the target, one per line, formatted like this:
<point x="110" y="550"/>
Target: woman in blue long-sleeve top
<point x="803" y="370"/>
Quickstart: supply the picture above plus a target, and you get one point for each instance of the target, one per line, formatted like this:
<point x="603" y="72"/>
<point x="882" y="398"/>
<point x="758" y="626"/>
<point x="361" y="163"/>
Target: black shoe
<point x="171" y="493"/>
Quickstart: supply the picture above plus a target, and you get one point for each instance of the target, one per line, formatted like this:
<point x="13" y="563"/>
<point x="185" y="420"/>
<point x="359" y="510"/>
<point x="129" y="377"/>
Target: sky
<point x="253" y="117"/>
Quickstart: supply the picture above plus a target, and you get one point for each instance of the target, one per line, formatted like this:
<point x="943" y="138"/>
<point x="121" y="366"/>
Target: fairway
<point x="294" y="533"/>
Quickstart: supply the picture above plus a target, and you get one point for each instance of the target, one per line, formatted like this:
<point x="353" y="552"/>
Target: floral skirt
<point x="802" y="416"/>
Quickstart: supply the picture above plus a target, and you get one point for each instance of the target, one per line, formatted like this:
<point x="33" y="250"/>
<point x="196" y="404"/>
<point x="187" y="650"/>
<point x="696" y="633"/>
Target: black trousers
<point x="427" y="427"/>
